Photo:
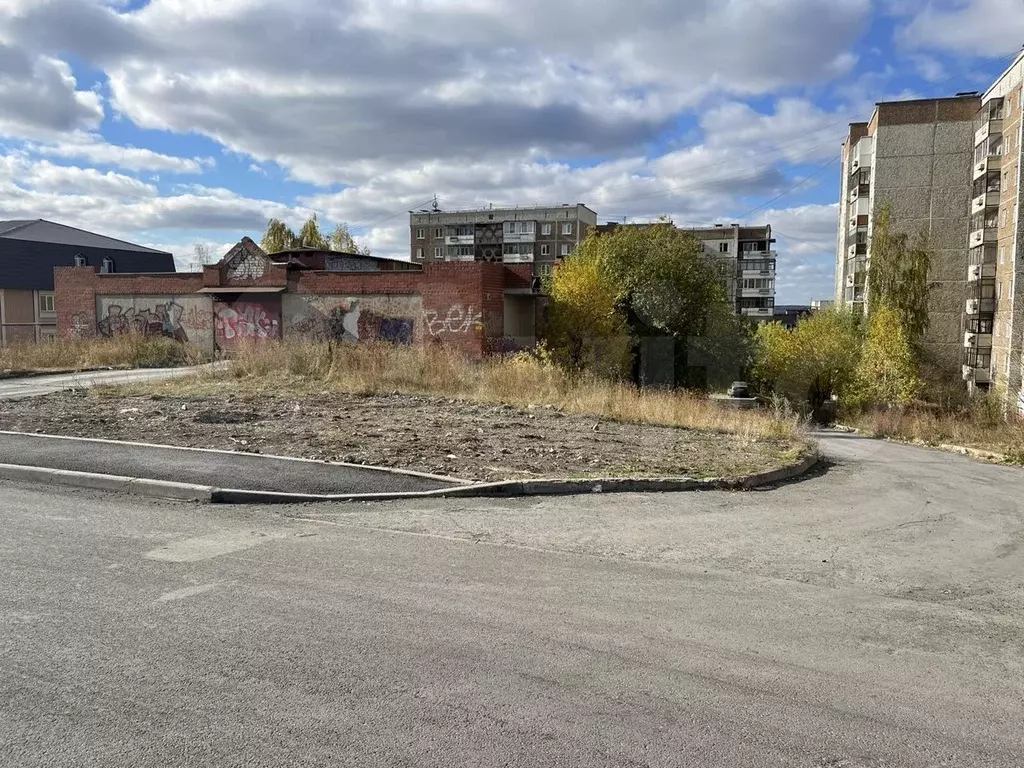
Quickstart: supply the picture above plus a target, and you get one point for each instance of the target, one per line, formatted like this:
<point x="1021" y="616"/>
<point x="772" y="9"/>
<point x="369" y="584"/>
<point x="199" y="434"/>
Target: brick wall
<point x="463" y="303"/>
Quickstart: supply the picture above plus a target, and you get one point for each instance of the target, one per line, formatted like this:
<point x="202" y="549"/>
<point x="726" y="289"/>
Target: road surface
<point x="15" y="387"/>
<point x="870" y="616"/>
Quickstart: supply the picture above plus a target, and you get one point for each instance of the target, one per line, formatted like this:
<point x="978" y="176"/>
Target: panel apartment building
<point x="540" y="236"/>
<point x="918" y="157"/>
<point x="749" y="260"/>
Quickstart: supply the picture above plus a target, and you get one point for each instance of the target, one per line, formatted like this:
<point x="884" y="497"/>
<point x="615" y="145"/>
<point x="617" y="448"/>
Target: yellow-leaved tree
<point x="586" y="330"/>
<point x="886" y="374"/>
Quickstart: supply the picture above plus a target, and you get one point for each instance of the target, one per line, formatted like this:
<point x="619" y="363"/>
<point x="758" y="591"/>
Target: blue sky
<point x="177" y="122"/>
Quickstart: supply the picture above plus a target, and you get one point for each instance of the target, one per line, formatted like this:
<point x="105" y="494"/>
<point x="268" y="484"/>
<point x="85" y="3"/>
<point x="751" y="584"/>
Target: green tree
<point x="342" y="240"/>
<point x="887" y="374"/>
<point x="898" y="277"/>
<point x="812" y="363"/>
<point x="311" y="237"/>
<point x="278" y="237"/>
<point x="586" y="329"/>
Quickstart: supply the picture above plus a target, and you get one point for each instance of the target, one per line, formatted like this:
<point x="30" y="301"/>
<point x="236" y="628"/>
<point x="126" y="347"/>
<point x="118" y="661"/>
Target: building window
<point x="421" y="233"/>
<point x="437" y="253"/>
<point x="1002" y="254"/>
<point x="567" y="228"/>
<point x="723" y="247"/>
<point x="545" y="229"/>
<point x="999" y="289"/>
<point x="544" y="270"/>
<point x="46" y="302"/>
<point x="545" y="249"/>
<point x="419" y="253"/>
<point x="757" y="283"/>
<point x="565" y="249"/>
<point x="1002" y="217"/>
<point x="439" y="232"/>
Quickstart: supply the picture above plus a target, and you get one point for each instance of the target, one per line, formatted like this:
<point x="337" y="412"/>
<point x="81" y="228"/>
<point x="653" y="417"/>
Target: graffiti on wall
<point x="458" y="319"/>
<point x="80" y="326"/>
<point x="164" y="319"/>
<point x="246" y="266"/>
<point x="199" y="319"/>
<point x="246" y="320"/>
<point x="350" y="319"/>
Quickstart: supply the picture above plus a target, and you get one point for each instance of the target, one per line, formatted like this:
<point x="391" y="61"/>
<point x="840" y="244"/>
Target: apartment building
<point x="994" y="313"/>
<point x="749" y="260"/>
<point x="30" y="249"/>
<point x="539" y="235"/>
<point x="917" y="156"/>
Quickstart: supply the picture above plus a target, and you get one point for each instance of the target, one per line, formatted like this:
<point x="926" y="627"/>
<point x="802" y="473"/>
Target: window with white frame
<point x="723" y="247"/>
<point x="419" y="253"/>
<point x="421" y="233"/>
<point x="46" y="302"/>
<point x="439" y="232"/>
<point x="566" y="249"/>
<point x="437" y="252"/>
<point x="545" y="229"/>
<point x="544" y="270"/>
<point x="567" y="228"/>
<point x="1002" y="217"/>
<point x="758" y="283"/>
<point x="520" y="227"/>
<point x="545" y="249"/>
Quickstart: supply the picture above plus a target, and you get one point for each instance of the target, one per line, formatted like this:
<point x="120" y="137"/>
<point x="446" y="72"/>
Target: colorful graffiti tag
<point x="159" y="320"/>
<point x="245" y="320"/>
<point x="458" y="320"/>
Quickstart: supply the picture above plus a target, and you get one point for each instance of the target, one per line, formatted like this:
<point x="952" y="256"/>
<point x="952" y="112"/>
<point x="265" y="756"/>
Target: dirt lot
<point x="462" y="439"/>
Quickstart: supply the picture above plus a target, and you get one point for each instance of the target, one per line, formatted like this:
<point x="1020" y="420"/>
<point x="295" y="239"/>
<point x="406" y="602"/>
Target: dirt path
<point x="469" y="440"/>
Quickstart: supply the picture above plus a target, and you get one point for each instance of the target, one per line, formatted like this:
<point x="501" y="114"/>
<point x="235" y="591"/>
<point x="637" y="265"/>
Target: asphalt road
<point x="16" y="387"/>
<point x="240" y="470"/>
<point x="870" y="616"/>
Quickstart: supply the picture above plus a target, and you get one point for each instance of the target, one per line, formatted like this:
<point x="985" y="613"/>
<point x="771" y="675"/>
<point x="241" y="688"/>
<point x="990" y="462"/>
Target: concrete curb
<point x="506" y="489"/>
<point x="963" y="450"/>
<point x="136" y="486"/>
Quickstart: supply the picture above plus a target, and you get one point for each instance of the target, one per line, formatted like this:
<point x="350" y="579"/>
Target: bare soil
<point x="474" y="441"/>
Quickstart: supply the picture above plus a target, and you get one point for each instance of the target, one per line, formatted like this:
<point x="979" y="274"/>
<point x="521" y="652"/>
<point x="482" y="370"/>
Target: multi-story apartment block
<point x="994" y="313"/>
<point x="916" y="156"/>
<point x="748" y="259"/>
<point x="540" y="236"/>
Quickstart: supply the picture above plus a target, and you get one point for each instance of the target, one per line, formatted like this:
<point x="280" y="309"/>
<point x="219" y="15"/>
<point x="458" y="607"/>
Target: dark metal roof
<point x="29" y="251"/>
<point x="43" y="231"/>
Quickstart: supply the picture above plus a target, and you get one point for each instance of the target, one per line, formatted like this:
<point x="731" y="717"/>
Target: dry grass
<point x="982" y="426"/>
<point x="129" y="351"/>
<point x="522" y="380"/>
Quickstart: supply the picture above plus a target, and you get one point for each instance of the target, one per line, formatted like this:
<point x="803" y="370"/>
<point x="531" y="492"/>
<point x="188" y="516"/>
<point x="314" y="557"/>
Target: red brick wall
<point x="463" y="304"/>
<point x="76" y="289"/>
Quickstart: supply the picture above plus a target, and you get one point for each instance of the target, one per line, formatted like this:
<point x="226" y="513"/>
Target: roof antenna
<point x="435" y="206"/>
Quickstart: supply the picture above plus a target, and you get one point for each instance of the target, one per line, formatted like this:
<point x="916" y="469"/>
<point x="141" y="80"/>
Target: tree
<point x="812" y="363"/>
<point x="586" y="329"/>
<point x="311" y="237"/>
<point x="342" y="240"/>
<point x="278" y="237"/>
<point x="887" y="374"/>
<point x="898" y="277"/>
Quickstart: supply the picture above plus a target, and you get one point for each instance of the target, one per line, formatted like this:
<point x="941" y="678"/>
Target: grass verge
<point x="128" y="351"/>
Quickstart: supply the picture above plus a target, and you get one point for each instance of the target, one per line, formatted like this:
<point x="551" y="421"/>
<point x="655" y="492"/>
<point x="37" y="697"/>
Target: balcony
<point x="753" y="293"/>
<point x="518" y="258"/>
<point x="757" y="311"/>
<point x="748" y="272"/>
<point x="520" y="237"/>
<point x="977" y="272"/>
<point x="990" y="163"/>
<point x="986" y="200"/>
<point x="977" y="340"/>
<point x="461" y="257"/>
<point x="976" y="375"/>
<point x="989" y="127"/>
<point x="459" y="240"/>
<point x="983" y="235"/>
<point x="979" y="306"/>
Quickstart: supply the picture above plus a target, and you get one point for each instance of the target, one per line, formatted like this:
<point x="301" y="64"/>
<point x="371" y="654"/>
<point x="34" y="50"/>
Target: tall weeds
<point x="128" y="351"/>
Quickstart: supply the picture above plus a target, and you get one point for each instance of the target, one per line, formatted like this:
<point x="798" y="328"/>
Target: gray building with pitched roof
<point x="29" y="251"/>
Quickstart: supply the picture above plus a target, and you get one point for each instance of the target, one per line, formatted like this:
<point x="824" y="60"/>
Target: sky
<point x="172" y="123"/>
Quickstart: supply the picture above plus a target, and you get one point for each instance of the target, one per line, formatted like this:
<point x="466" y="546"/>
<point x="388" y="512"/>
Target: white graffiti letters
<point x="458" y="320"/>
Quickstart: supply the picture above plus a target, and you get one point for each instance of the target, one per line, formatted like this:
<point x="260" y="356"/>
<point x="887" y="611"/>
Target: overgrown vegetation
<point x="522" y="380"/>
<point x="127" y="351"/>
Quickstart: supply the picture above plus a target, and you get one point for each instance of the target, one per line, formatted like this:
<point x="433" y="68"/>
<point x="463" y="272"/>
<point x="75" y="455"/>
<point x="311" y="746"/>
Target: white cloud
<point x="46" y="178"/>
<point x="94" y="149"/>
<point x="807" y="250"/>
<point x="980" y="27"/>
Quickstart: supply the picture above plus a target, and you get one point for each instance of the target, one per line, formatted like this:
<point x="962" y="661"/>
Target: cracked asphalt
<point x="872" y="615"/>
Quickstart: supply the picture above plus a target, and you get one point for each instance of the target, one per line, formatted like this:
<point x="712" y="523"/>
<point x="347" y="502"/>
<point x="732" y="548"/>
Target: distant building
<point x="540" y="236"/>
<point x="339" y="261"/>
<point x="29" y="252"/>
<point x="791" y="314"/>
<point x="818" y="304"/>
